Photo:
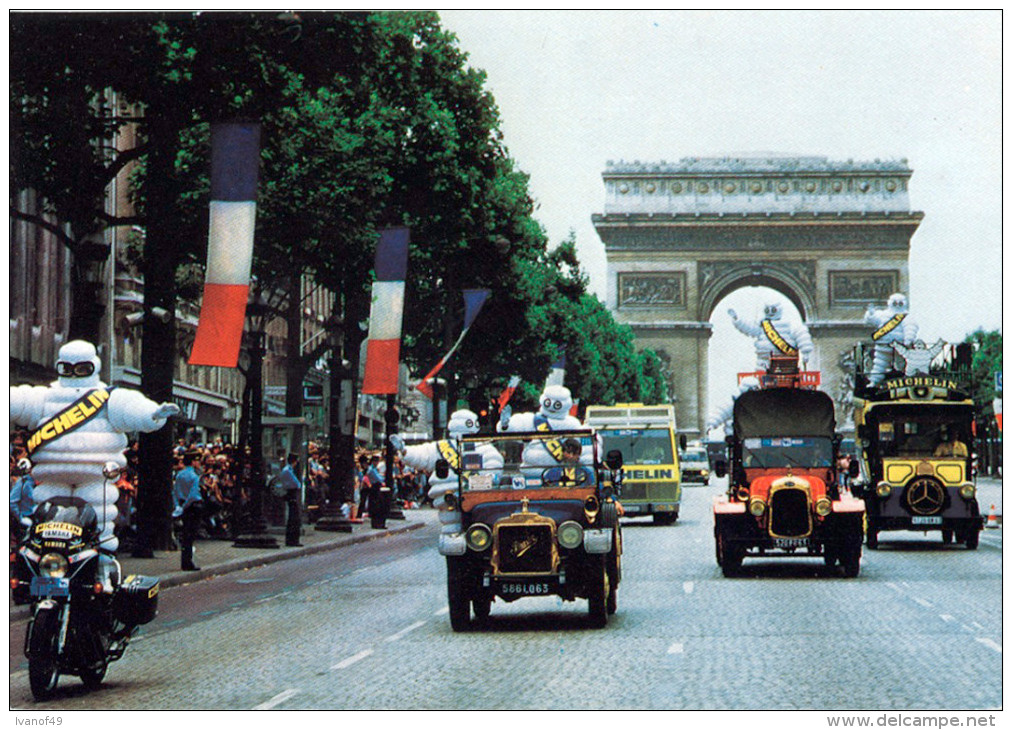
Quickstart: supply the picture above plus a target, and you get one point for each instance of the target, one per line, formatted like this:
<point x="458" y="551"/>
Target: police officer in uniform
<point x="189" y="504"/>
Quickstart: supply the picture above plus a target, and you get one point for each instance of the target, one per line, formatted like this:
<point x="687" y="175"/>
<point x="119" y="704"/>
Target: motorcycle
<point x="82" y="616"/>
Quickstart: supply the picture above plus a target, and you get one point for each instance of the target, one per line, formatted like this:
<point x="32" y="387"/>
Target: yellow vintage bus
<point x="915" y="435"/>
<point x="646" y="437"/>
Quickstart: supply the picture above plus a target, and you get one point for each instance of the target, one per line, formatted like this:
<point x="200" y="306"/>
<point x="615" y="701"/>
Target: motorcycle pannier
<point x="136" y="601"/>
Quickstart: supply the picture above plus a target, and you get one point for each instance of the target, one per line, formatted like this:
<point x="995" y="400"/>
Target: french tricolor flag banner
<point x="557" y="375"/>
<point x="474" y="300"/>
<point x="386" y="314"/>
<point x="235" y="164"/>
<point x="507" y="392"/>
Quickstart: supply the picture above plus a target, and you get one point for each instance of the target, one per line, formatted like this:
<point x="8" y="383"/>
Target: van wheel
<point x="597" y="596"/>
<point x="946" y="537"/>
<point x="972" y="539"/>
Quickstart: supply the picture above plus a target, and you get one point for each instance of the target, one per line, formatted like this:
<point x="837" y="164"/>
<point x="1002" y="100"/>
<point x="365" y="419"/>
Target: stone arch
<point x="832" y="237"/>
<point x="795" y="280"/>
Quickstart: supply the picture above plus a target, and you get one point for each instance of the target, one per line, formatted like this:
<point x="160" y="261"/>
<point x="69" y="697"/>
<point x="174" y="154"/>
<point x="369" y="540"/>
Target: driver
<point x="570" y="472"/>
<point x="950" y="445"/>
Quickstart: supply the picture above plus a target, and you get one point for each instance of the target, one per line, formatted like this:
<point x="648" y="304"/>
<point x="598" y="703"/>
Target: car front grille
<point x="790" y="515"/>
<point x="525" y="548"/>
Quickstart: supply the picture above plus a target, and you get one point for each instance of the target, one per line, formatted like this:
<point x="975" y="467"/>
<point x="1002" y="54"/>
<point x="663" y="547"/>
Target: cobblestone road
<point x="365" y="627"/>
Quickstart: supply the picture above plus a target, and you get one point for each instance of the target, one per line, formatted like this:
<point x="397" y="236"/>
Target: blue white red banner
<point x="474" y="300"/>
<point x="235" y="164"/>
<point x="386" y="314"/>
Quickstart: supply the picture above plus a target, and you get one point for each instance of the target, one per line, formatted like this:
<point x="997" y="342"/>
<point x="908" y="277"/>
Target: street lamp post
<point x="254" y="534"/>
<point x="340" y="451"/>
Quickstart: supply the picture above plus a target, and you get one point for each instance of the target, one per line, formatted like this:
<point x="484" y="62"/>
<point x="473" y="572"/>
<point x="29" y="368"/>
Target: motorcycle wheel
<point x="93" y="677"/>
<point x="43" y="661"/>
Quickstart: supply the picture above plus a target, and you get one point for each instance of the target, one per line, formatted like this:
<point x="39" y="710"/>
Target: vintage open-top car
<point x="783" y="498"/>
<point x="530" y="530"/>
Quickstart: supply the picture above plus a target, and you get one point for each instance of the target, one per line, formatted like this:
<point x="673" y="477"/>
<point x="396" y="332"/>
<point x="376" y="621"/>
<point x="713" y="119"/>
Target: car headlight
<point x="883" y="489"/>
<point x="704" y="472"/>
<point x="756" y="507"/>
<point x="450" y="499"/>
<point x="478" y="537"/>
<point x="53" y="565"/>
<point x="967" y="491"/>
<point x="570" y="534"/>
<point x="823" y="507"/>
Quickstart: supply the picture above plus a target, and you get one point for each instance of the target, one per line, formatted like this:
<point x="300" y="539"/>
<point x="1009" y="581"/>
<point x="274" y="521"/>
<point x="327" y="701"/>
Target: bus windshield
<point x="640" y="445"/>
<point x="805" y="452"/>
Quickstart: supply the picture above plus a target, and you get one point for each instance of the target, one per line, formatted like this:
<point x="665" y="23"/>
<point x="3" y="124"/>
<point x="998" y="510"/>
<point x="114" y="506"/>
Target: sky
<point x="576" y="89"/>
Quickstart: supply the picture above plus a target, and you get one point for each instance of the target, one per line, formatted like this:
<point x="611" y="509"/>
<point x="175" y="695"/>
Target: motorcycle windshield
<point x="67" y="510"/>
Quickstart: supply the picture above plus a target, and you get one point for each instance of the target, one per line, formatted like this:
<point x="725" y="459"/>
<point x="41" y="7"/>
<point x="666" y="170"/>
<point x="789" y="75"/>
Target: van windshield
<point x="640" y="445"/>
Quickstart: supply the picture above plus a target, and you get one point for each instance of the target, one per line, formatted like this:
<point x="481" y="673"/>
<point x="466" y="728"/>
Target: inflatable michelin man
<point x="892" y="325"/>
<point x="918" y="356"/>
<point x="553" y="415"/>
<point x="424" y="456"/>
<point x="78" y="425"/>
<point x="775" y="335"/>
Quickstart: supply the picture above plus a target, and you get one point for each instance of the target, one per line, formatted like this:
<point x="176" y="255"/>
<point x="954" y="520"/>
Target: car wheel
<point x="947" y="536"/>
<point x="457" y="594"/>
<point x="597" y="596"/>
<point x="731" y="556"/>
<point x="850" y="557"/>
<point x="829" y="556"/>
<point x="972" y="539"/>
<point x="482" y="607"/>
<point x="870" y="534"/>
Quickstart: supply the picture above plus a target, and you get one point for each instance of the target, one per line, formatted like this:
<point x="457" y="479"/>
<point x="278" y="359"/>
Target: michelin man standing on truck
<point x="892" y="326"/>
<point x="78" y="426"/>
<point x="774" y="335"/>
<point x="552" y="415"/>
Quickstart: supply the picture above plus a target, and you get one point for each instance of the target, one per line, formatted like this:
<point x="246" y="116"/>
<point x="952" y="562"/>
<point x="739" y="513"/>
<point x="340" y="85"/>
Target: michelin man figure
<point x="918" y="356"/>
<point x="892" y="326"/>
<point x="78" y="426"/>
<point x="775" y="335"/>
<point x="424" y="456"/>
<point x="553" y="415"/>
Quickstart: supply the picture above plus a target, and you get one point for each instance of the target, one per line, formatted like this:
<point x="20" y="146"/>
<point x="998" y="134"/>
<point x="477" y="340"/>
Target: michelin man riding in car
<point x="78" y="426"/>
<point x="552" y="415"/>
<point x="424" y="457"/>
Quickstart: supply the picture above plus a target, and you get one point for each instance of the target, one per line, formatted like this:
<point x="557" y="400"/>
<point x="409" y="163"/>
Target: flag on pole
<point x="997" y="411"/>
<point x="507" y="392"/>
<point x="235" y="163"/>
<point x="386" y="314"/>
<point x="557" y="374"/>
<point x="474" y="300"/>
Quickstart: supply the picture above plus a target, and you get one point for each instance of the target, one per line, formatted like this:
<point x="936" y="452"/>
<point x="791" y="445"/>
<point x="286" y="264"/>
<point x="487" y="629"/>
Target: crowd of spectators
<point x="223" y="483"/>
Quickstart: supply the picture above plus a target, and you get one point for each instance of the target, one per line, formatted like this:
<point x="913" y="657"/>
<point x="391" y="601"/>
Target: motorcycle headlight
<point x="53" y="565"/>
<point x="478" y="537"/>
<point x="570" y="534"/>
<point x="883" y="489"/>
<point x="967" y="491"/>
<point x="756" y="507"/>
<point x="450" y="498"/>
<point x="823" y="507"/>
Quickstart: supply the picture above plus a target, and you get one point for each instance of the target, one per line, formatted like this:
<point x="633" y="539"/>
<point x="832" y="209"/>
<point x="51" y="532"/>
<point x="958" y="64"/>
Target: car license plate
<point x="790" y="542"/>
<point x="45" y="586"/>
<point x="935" y="520"/>
<point x="527" y="588"/>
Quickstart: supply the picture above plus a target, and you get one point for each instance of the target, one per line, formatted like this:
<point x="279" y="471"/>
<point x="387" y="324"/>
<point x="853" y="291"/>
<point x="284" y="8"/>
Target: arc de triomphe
<point x="831" y="236"/>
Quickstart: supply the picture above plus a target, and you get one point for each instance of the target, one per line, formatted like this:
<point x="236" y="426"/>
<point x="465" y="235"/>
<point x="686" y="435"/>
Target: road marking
<point x="442" y="611"/>
<point x="345" y="663"/>
<point x="267" y="598"/>
<point x="676" y="648"/>
<point x="894" y="587"/>
<point x="688" y="586"/>
<point x="402" y="632"/>
<point x="990" y="644"/>
<point x="977" y="626"/>
<point x="947" y="618"/>
<point x="922" y="602"/>
<point x="277" y="699"/>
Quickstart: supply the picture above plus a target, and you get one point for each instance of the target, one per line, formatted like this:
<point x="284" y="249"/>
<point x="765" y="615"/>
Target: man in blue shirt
<point x="289" y="481"/>
<point x="189" y="503"/>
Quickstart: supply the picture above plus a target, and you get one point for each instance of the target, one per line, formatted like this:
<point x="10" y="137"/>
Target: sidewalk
<point x="218" y="557"/>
